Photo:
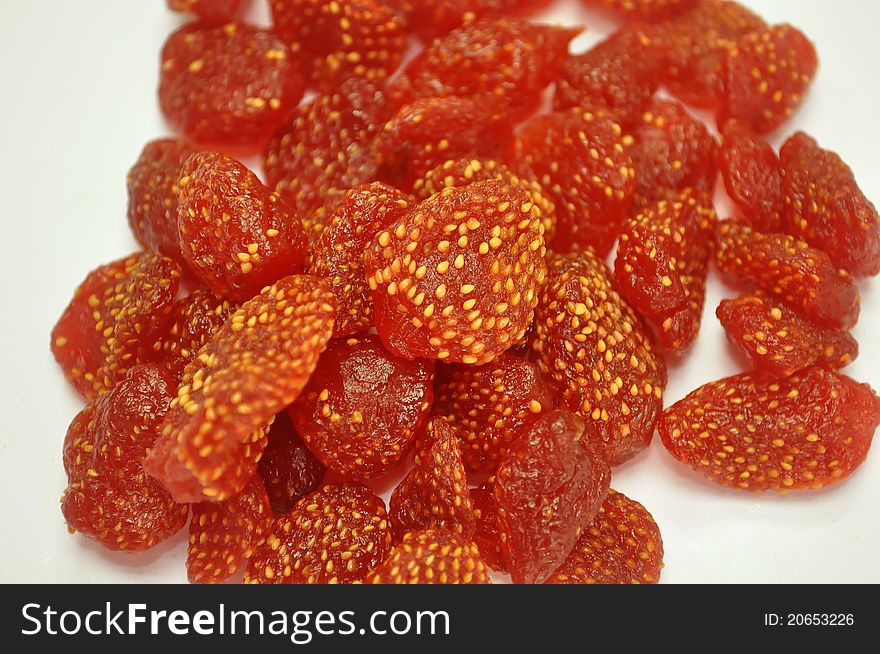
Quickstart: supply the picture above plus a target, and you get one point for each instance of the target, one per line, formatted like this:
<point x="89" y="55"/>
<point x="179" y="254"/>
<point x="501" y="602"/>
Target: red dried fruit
<point x="109" y="497"/>
<point x="235" y="234"/>
<point x="435" y="18"/>
<point x="757" y="433"/>
<point x="549" y="488"/>
<point x="622" y="546"/>
<point x="432" y="556"/>
<point x="152" y="196"/>
<point x="228" y="85"/>
<point x="208" y="9"/>
<point x="363" y="407"/>
<point x="336" y="535"/>
<point x="825" y="207"/>
<point x="253" y="367"/>
<point x="326" y="149"/>
<point x="339" y="253"/>
<point x="501" y="63"/>
<point x="673" y="151"/>
<point x="342" y="39"/>
<point x="289" y="470"/>
<point x="766" y="77"/>
<point x="114" y="315"/>
<point x="662" y="262"/>
<point x="779" y="342"/>
<point x="489" y="406"/>
<point x="593" y="346"/>
<point x="486" y="526"/>
<point x="800" y="276"/>
<point x="457" y="278"/>
<point x="647" y="10"/>
<point x="222" y="536"/>
<point x="435" y="493"/>
<point x="752" y="175"/>
<point x="698" y="43"/>
<point x="579" y="159"/>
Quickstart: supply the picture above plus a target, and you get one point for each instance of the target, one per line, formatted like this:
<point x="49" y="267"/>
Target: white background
<point x="77" y="103"/>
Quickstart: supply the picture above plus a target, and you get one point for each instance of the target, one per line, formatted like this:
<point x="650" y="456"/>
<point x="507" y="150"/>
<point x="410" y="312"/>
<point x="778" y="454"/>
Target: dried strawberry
<point x="662" y="263"/>
<point x="647" y="10"/>
<point x="339" y="253"/>
<point x="208" y="9"/>
<point x="501" y="63"/>
<point x="342" y="39"/>
<point x="825" y="206"/>
<point x="622" y="546"/>
<point x="434" y="18"/>
<point x="752" y="174"/>
<point x="336" y="535"/>
<point x="253" y="367"/>
<point x="757" y="433"/>
<point x="432" y="556"/>
<point x="778" y="341"/>
<point x="363" y="407"/>
<point x="222" y="536"/>
<point x="326" y="149"/>
<point x="435" y="492"/>
<point x="119" y="309"/>
<point x="593" y="346"/>
<point x="486" y="526"/>
<point x="800" y="276"/>
<point x="549" y="488"/>
<point x="152" y="196"/>
<point x="109" y="497"/>
<point x="235" y="234"/>
<point x="228" y="85"/>
<point x="457" y="278"/>
<point x="767" y="76"/>
<point x="489" y="406"/>
<point x="579" y="159"/>
<point x="289" y="470"/>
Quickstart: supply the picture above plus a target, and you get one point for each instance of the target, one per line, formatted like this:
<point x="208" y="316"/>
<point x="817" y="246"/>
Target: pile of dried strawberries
<point x="421" y="285"/>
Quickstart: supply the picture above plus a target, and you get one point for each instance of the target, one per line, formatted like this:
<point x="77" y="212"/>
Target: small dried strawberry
<point x="549" y="488"/>
<point x="432" y="556"/>
<point x="757" y="433"/>
<point x="486" y="536"/>
<point x="289" y="470"/>
<point x="253" y="367"/>
<point x="336" y="535"/>
<point x="622" y="546"/>
<point x="208" y="9"/>
<point x="222" y="536"/>
<point x="778" y="341"/>
<point x="647" y="10"/>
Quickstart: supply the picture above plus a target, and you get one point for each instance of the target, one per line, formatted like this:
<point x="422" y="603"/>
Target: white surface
<point x="77" y="87"/>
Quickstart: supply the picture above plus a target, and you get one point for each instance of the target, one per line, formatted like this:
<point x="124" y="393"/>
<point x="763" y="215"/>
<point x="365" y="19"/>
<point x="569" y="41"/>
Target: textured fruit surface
<point x="752" y="174"/>
<point x="289" y="470"/>
<point x="647" y="10"/>
<point x="342" y="39"/>
<point x="235" y="234"/>
<point x="501" y="63"/>
<point x="338" y="254"/>
<point x="223" y="535"/>
<point x="549" y="488"/>
<point x="490" y="406"/>
<point x="117" y="311"/>
<point x="228" y="85"/>
<point x="326" y="149"/>
<point x="825" y="206"/>
<point x="767" y="76"/>
<point x="109" y="497"/>
<point x="152" y="196"/>
<point x="435" y="492"/>
<point x="336" y="535"/>
<point x="757" y="433"/>
<point x="253" y="367"/>
<point x="457" y="278"/>
<point x="621" y="546"/>
<point x="798" y="275"/>
<point x="432" y="556"/>
<point x="434" y="18"/>
<point x="580" y="160"/>
<point x="779" y="342"/>
<point x="662" y="262"/>
<point x="591" y="343"/>
<point x="208" y="9"/>
<point x="486" y="536"/>
<point x="363" y="407"/>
